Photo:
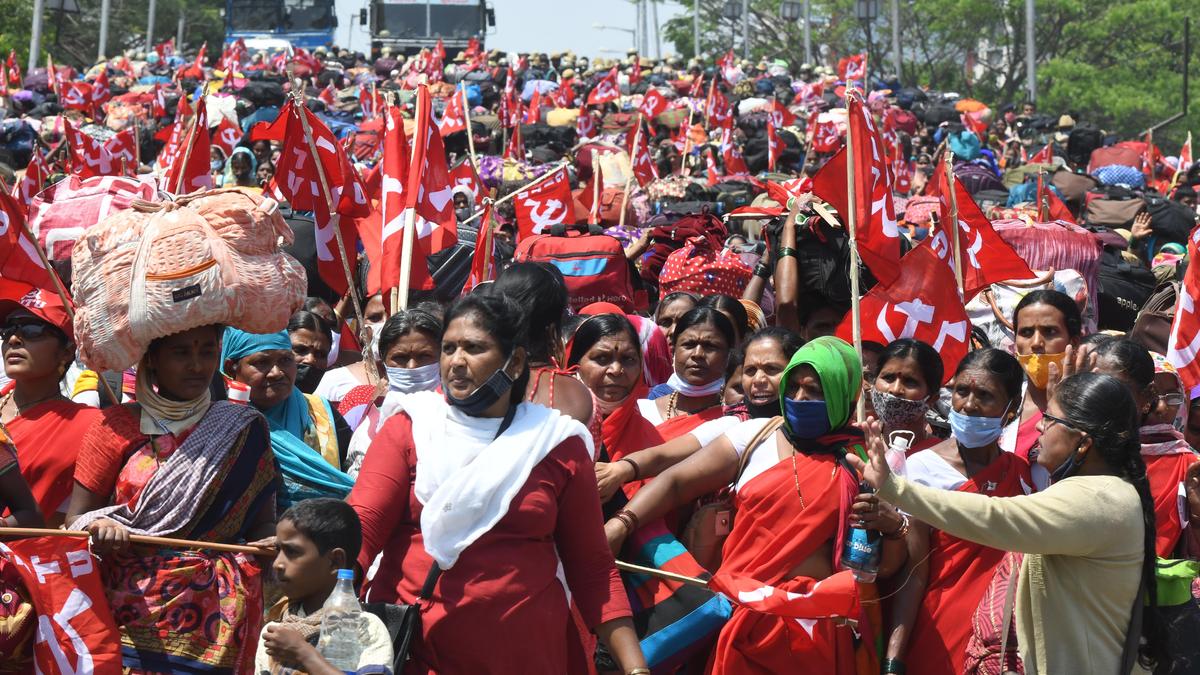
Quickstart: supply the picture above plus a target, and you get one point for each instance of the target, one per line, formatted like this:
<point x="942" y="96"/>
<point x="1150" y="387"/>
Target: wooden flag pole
<point x="470" y="136"/>
<point x="662" y="574"/>
<point x="637" y="139"/>
<point x="400" y="293"/>
<point x="953" y="224"/>
<point x="328" y="196"/>
<point x="852" y="228"/>
<point x="137" y="539"/>
<point x="687" y="141"/>
<point x="528" y="186"/>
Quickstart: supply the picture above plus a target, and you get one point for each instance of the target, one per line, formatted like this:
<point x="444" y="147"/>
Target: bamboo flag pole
<point x="187" y="153"/>
<point x="687" y="141"/>
<point x="470" y="136"/>
<point x="528" y="186"/>
<point x="136" y="539"/>
<point x="637" y="139"/>
<point x="852" y="228"/>
<point x="400" y="292"/>
<point x="662" y="574"/>
<point x="328" y="196"/>
<point x="953" y="224"/>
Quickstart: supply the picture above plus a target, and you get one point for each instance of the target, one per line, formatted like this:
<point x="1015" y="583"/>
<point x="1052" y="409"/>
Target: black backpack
<point x="1124" y="289"/>
<point x="1082" y="140"/>
<point x="1170" y="220"/>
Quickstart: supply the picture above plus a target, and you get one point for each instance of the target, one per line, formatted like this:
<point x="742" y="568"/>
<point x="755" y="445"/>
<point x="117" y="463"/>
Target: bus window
<point x="400" y="20"/>
<point x="455" y="21"/>
<point x="306" y="15"/>
<point x="253" y="16"/>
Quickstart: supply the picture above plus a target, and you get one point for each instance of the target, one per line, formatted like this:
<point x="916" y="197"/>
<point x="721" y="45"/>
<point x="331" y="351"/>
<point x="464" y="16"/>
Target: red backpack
<point x="592" y="263"/>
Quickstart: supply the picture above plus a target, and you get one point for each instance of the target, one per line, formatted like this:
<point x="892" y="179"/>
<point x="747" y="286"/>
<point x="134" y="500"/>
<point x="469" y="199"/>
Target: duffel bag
<point x="160" y="268"/>
<point x="1124" y="288"/>
<point x="700" y="269"/>
<point x="62" y="213"/>
<point x="592" y="263"/>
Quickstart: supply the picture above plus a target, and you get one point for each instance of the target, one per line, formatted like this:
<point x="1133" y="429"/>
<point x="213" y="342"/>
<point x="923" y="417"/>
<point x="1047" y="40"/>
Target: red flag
<point x="589" y="197"/>
<point x="922" y="303"/>
<point x="876" y="232"/>
<point x="852" y="67"/>
<point x="1043" y="156"/>
<point x="228" y="135"/>
<point x="585" y="124"/>
<point x="731" y="156"/>
<point x="428" y="197"/>
<point x="190" y="169"/>
<point x="14" y="69"/>
<point x="165" y="49"/>
<point x="100" y="91"/>
<point x="975" y="126"/>
<point x="516" y="145"/>
<point x="564" y="96"/>
<point x="533" y="114"/>
<point x="727" y="65"/>
<point x="717" y="109"/>
<point x="36" y="174"/>
<point x="985" y="257"/>
<point x="77" y="96"/>
<point x="824" y="136"/>
<point x="832" y="597"/>
<point x="653" y="104"/>
<point x="635" y="71"/>
<point x="19" y="259"/>
<point x="697" y="88"/>
<point x="464" y="174"/>
<point x="780" y="116"/>
<point x="483" y="266"/>
<point x="158" y="107"/>
<point x="52" y="75"/>
<point x="509" y="102"/>
<point x="547" y="204"/>
<point x="454" y="118"/>
<point x="122" y="148"/>
<point x="275" y="130"/>
<point x="783" y="192"/>
<point x="774" y="146"/>
<point x="393" y="177"/>
<point x="370" y="101"/>
<point x="710" y="163"/>
<point x="605" y="90"/>
<point x="76" y="632"/>
<point x="1185" y="154"/>
<point x="328" y="95"/>
<point x="1183" y="346"/>
<point x="90" y="157"/>
<point x="933" y="186"/>
<point x="640" y="160"/>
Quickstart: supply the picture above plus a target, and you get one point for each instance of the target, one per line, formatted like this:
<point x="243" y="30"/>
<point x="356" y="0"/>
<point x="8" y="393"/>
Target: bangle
<point x="893" y="667"/>
<point x="638" y="671"/>
<point x="629" y="518"/>
<point x="785" y="252"/>
<point x="762" y="270"/>
<point x="637" y="470"/>
<point x="902" y="531"/>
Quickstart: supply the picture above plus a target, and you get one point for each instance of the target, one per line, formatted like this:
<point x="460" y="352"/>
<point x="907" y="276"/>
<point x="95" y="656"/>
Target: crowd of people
<point x="490" y="447"/>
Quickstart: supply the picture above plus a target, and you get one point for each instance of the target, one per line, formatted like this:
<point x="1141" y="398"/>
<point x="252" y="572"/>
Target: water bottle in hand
<point x="341" y="641"/>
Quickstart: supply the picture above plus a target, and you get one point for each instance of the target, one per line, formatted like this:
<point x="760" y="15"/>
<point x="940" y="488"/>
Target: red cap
<point x="42" y="303"/>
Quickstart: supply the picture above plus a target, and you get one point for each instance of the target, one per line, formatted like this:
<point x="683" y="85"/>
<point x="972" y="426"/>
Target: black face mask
<point x="308" y="377"/>
<point x="1069" y="467"/>
<point x="762" y="411"/>
<point x="478" y="401"/>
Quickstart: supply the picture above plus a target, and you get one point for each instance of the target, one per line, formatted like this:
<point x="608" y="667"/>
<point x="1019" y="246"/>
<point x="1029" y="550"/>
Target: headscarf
<point x="238" y="344"/>
<point x="230" y="180"/>
<point x="1176" y="427"/>
<point x="161" y="415"/>
<point x="840" y="372"/>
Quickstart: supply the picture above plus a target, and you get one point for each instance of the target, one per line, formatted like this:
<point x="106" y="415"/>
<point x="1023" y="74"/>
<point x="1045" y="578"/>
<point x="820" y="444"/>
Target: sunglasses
<point x="1172" y="399"/>
<point x="30" y="331"/>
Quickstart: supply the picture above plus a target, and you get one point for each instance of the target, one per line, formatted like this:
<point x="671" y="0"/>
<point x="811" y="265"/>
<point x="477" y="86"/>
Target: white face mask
<point x="409" y="380"/>
<point x="372" y="351"/>
<point x="335" y="350"/>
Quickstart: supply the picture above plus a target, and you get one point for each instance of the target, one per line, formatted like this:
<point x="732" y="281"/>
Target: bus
<point x="301" y="23"/>
<point x="408" y="25"/>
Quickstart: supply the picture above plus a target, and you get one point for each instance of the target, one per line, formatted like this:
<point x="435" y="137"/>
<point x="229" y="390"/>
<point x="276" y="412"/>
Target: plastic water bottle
<point x="863" y="548"/>
<point x="897" y="452"/>
<point x="341" y="641"/>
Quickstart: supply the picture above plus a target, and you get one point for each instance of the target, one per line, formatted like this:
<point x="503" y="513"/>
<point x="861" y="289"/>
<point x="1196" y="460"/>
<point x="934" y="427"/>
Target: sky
<point x="559" y="25"/>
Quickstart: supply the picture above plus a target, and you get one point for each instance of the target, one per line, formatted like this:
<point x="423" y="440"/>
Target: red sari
<point x="48" y="437"/>
<point x="959" y="573"/>
<point x="773" y="531"/>
<point x="685" y="423"/>
<point x="1167" y="463"/>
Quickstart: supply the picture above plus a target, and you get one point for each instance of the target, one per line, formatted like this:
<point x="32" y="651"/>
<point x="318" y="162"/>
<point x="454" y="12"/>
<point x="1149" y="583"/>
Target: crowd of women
<point x="508" y="451"/>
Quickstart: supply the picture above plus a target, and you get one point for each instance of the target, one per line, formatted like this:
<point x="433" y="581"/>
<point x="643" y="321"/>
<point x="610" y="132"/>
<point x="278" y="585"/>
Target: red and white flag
<point x="922" y="303"/>
<point x="227" y="135"/>
<point x="833" y="597"/>
<point x="653" y="104"/>
<point x="464" y="174"/>
<point x="824" y="136"/>
<point x="780" y="116"/>
<point x="731" y="155"/>
<point x="606" y="89"/>
<point x="717" y="109"/>
<point x="510" y="102"/>
<point x="589" y="196"/>
<point x="711" y="168"/>
<point x="516" y="145"/>
<point x="100" y="91"/>
<point x="1185" y="154"/>
<point x="90" y="157"/>
<point x="852" y="67"/>
<point x="13" y="68"/>
<point x="640" y="160"/>
<point x="877" y="232"/>
<point x="75" y="628"/>
<point x="788" y="189"/>
<point x="585" y="124"/>
<point x="19" y="259"/>
<point x="328" y="95"/>
<point x="189" y="171"/>
<point x="36" y="175"/>
<point x="635" y="71"/>
<point x="564" y="95"/>
<point x="544" y="205"/>
<point x="1043" y="156"/>
<point x="77" y="96"/>
<point x="370" y="100"/>
<point x="728" y="66"/>
<point x="428" y="202"/>
<point x="984" y="256"/>
<point x="774" y="146"/>
<point x="1183" y="346"/>
<point x="454" y="117"/>
<point x="483" y="262"/>
<point x="533" y="113"/>
<point x="158" y="107"/>
<point x="393" y="177"/>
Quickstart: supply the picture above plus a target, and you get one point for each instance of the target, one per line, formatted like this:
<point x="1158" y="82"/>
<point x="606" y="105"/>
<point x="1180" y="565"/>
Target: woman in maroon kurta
<point x="498" y="492"/>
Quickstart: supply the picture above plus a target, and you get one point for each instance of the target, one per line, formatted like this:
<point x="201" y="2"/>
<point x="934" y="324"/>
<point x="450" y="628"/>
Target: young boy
<point x="315" y="538"/>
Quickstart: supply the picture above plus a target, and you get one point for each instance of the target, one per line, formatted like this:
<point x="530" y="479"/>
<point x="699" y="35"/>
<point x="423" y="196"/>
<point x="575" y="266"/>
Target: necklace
<point x="22" y="408"/>
<point x="796" y="475"/>
<point x="672" y="402"/>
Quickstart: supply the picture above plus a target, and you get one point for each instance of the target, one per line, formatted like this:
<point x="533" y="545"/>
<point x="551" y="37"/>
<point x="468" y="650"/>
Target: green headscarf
<point x="840" y="372"/>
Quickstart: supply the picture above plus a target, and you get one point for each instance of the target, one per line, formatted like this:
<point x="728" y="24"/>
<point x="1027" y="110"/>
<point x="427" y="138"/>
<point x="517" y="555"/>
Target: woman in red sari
<point x="946" y="576"/>
<point x="45" y="425"/>
<point x="703" y="339"/>
<point x="791" y="508"/>
<point x="907" y="380"/>
<point x="498" y="494"/>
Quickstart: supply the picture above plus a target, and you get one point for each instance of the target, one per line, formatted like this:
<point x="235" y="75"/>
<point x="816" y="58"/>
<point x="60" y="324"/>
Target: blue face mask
<point x="975" y="432"/>
<point x="806" y="419"/>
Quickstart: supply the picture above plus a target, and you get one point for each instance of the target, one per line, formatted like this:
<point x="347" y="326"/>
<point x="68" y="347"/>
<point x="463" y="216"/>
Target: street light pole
<point x="150" y="26"/>
<point x="102" y="43"/>
<point x="35" y="38"/>
<point x="897" y="63"/>
<point x="808" y="53"/>
<point x="1030" y="52"/>
<point x="745" y="29"/>
<point x="695" y="28"/>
